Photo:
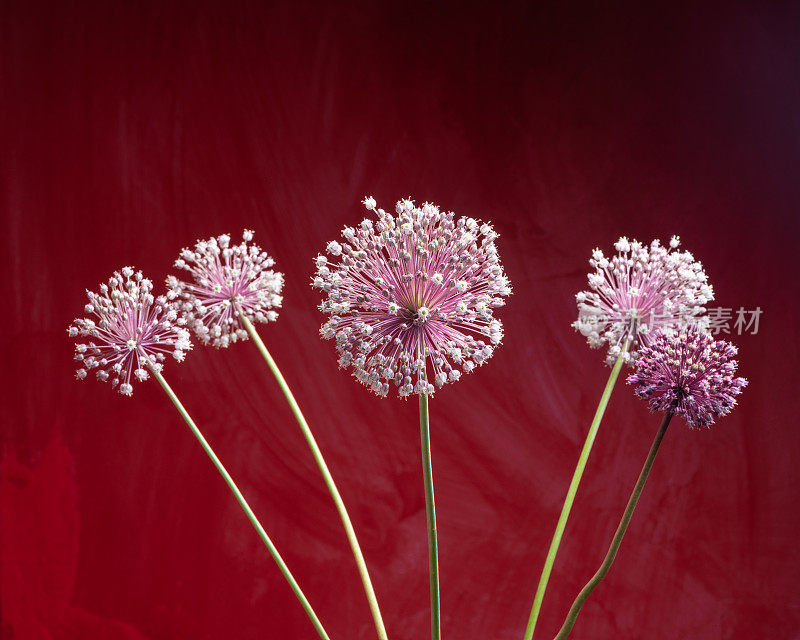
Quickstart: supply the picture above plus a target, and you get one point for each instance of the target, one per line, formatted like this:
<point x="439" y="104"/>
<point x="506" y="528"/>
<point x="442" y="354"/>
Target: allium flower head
<point x="128" y="328"/>
<point x="411" y="297"/>
<point x="689" y="373"/>
<point x="225" y="277"/>
<point x="638" y="291"/>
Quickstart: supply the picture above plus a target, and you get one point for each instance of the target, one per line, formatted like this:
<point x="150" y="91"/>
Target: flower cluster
<point x="411" y="289"/>
<point x="690" y="373"/>
<point x="638" y="291"/>
<point x="131" y="331"/>
<point x="226" y="278"/>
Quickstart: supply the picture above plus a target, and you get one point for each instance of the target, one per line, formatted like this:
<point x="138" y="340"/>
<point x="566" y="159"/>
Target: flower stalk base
<point x="571" y="492"/>
<point x="430" y="511"/>
<point x="572" y="616"/>
<point x="326" y="475"/>
<point x="242" y="502"/>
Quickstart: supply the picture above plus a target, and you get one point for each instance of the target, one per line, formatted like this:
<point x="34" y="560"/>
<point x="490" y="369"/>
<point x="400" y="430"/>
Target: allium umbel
<point x="225" y="276"/>
<point x="131" y="329"/>
<point x="638" y="291"/>
<point x="410" y="291"/>
<point x="689" y="373"/>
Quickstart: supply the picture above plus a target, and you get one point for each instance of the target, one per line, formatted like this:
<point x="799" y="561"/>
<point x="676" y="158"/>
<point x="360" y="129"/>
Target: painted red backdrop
<point x="130" y="130"/>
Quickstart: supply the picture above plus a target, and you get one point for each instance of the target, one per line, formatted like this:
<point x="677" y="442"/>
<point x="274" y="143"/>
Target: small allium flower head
<point x="689" y="373"/>
<point x="128" y="328"/>
<point x="411" y="297"/>
<point x="225" y="276"/>
<point x="638" y="291"/>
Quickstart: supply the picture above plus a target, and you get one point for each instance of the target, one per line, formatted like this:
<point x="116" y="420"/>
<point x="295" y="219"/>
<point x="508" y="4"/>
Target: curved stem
<point x="243" y="503"/>
<point x="326" y="474"/>
<point x="571" y="492"/>
<point x="572" y="616"/>
<point x="430" y="511"/>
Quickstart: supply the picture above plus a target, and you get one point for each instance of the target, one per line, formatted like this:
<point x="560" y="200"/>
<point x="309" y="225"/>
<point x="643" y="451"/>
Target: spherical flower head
<point x="127" y="331"/>
<point x="690" y="373"/>
<point x="638" y="291"/>
<point x="411" y="297"/>
<point x="226" y="278"/>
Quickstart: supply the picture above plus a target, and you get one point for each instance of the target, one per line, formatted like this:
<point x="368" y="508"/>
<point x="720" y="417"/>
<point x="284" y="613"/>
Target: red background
<point x="129" y="131"/>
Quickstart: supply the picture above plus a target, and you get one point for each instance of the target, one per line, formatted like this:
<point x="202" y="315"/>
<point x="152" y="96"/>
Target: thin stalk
<point x="571" y="492"/>
<point x="572" y="616"/>
<point x="326" y="474"/>
<point x="243" y="503"/>
<point x="430" y="511"/>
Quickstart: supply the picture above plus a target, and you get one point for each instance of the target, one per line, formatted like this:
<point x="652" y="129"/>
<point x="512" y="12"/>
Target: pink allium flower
<point x="639" y="290"/>
<point x="412" y="291"/>
<point x="689" y="373"/>
<point x="131" y="329"/>
<point x="224" y="276"/>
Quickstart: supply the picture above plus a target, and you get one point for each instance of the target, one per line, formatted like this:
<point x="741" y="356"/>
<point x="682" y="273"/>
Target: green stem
<point x="246" y="507"/>
<point x="573" y="489"/>
<point x="572" y="616"/>
<point x="326" y="474"/>
<point x="430" y="510"/>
